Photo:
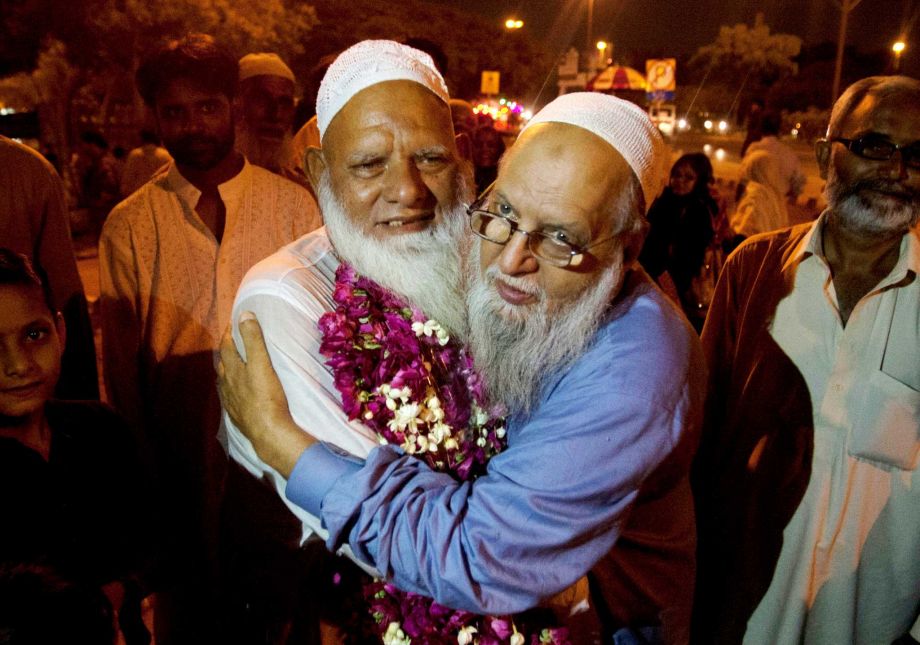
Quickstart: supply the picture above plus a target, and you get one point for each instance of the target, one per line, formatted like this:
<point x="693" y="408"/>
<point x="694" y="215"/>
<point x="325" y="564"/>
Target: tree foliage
<point x="742" y="52"/>
<point x="471" y="43"/>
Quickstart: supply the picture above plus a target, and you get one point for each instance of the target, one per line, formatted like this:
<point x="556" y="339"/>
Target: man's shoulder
<point x="304" y="263"/>
<point x="288" y="188"/>
<point x="24" y="158"/>
<point x="644" y="337"/>
<point x="132" y="208"/>
<point x="772" y="248"/>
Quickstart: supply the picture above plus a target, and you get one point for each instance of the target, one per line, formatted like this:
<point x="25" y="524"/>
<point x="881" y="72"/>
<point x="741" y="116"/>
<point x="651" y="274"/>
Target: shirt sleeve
<point x="547" y="510"/>
<point x="121" y="322"/>
<point x="288" y="318"/>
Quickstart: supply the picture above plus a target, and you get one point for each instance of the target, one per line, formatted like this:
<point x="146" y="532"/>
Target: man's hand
<point x="253" y="397"/>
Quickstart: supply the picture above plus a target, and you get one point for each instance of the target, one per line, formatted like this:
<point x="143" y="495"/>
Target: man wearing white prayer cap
<point x="602" y="379"/>
<point x="264" y="110"/>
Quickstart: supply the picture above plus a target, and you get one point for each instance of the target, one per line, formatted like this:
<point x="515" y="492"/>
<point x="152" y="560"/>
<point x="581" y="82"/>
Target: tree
<point x="471" y="43"/>
<point x="748" y="59"/>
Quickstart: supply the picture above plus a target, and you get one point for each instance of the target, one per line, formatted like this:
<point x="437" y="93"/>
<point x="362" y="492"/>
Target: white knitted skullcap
<point x="368" y="63"/>
<point x="623" y="125"/>
<point x="264" y="65"/>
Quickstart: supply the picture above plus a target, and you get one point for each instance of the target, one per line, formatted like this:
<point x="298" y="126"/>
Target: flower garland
<point x="401" y="375"/>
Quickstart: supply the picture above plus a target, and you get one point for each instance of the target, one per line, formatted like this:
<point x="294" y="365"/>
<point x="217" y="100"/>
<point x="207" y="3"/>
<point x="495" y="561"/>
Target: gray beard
<point x="869" y="214"/>
<point x="423" y="267"/>
<point x="269" y="155"/>
<point x="517" y="349"/>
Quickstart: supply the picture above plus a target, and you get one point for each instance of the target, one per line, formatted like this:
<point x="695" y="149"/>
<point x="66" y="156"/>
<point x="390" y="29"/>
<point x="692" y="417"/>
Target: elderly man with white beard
<point x="807" y="483"/>
<point x="603" y="382"/>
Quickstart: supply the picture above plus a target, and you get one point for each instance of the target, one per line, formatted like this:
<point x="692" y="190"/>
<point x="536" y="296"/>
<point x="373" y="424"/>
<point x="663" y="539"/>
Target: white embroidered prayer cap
<point x="264" y="64"/>
<point x="368" y="63"/>
<point x="623" y="125"/>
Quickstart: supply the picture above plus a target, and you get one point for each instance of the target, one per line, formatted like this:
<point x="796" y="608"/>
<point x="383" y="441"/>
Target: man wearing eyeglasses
<point x="807" y="483"/>
<point x="602" y="378"/>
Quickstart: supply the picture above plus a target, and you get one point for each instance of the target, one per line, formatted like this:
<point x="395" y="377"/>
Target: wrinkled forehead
<point x="394" y="110"/>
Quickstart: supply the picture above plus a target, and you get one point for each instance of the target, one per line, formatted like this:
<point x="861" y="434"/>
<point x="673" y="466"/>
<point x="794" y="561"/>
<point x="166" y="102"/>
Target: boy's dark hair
<point x="38" y="607"/>
<point x="148" y="136"/>
<point x="196" y="57"/>
<point x="17" y="270"/>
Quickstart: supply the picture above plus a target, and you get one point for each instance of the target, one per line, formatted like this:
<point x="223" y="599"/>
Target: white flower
<point x="422" y="442"/>
<point x="517" y="638"/>
<point x="406" y="416"/>
<point x="433" y="403"/>
<point x="465" y="635"/>
<point x="500" y="432"/>
<point x="395" y="635"/>
<point x="451" y="444"/>
<point x="443" y="336"/>
<point x="439" y="431"/>
<point x="481" y="442"/>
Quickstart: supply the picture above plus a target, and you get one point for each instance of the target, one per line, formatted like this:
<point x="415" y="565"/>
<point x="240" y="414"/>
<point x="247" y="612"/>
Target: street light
<point x="601" y="46"/>
<point x="898" y="48"/>
<point x="513" y="23"/>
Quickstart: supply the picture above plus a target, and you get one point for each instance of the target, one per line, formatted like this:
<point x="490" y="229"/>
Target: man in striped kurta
<point x="171" y="258"/>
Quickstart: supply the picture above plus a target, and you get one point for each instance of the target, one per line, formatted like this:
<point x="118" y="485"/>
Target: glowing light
<point x="513" y="23"/>
<point x="723" y="126"/>
<point x="707" y="148"/>
<point x="720" y="154"/>
<point x="527" y="114"/>
<point x="682" y="124"/>
<point x="898" y="47"/>
<point x="707" y="124"/>
<point x="601" y="45"/>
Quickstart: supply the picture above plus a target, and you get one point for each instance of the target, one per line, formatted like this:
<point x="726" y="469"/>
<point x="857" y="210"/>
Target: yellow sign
<point x="660" y="74"/>
<point x="489" y="84"/>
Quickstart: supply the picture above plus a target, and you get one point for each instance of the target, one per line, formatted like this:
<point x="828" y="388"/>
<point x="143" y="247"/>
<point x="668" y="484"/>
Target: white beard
<point x="516" y="348"/>
<point x="269" y="155"/>
<point x="424" y="267"/>
<point x="870" y="214"/>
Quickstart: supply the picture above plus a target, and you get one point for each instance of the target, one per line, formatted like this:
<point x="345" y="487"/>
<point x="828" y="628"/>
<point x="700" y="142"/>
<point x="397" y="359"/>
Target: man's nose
<point x="404" y="184"/>
<point x="516" y="257"/>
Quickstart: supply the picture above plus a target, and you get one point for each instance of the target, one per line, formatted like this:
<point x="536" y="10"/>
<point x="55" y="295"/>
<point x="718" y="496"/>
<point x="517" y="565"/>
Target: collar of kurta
<point x="188" y="193"/>
<point x="811" y="245"/>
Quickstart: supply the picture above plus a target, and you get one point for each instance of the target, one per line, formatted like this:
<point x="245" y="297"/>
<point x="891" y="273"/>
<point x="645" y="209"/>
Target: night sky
<point x="681" y="26"/>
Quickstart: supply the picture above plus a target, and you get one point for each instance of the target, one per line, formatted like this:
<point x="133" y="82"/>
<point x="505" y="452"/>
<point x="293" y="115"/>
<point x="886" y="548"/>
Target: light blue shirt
<point x="597" y="475"/>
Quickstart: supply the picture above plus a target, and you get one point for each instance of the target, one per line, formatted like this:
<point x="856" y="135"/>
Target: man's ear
<point x="464" y="146"/>
<point x="315" y="165"/>
<point x="823" y="155"/>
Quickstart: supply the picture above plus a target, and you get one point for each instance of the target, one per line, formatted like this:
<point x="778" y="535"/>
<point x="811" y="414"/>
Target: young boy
<point x="70" y="492"/>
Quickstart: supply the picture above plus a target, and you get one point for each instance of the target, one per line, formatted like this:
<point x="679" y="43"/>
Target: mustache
<point x="887" y="186"/>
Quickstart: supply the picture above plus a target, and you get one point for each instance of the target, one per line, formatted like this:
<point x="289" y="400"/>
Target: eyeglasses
<point x="546" y="246"/>
<point x="878" y="149"/>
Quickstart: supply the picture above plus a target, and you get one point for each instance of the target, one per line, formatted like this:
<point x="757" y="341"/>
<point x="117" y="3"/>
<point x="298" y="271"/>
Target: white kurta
<point x="849" y="569"/>
<point x="288" y="292"/>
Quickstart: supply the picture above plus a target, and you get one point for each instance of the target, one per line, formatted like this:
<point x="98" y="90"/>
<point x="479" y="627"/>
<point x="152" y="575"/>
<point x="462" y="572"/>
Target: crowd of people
<point x="382" y="380"/>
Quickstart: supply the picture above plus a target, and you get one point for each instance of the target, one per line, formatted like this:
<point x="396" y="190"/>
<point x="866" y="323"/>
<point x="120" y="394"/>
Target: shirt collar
<point x="189" y="194"/>
<point x="811" y="244"/>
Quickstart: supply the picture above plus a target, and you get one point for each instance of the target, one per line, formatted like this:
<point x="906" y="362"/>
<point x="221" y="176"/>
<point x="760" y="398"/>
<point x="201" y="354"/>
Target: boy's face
<point x="31" y="344"/>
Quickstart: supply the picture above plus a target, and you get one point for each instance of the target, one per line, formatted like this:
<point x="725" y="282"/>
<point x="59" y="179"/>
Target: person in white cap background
<point x="602" y="378"/>
<point x="264" y="109"/>
<point x="171" y="257"/>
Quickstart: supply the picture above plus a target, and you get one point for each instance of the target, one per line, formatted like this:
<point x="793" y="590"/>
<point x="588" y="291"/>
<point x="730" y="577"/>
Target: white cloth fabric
<point x="849" y="569"/>
<point x="370" y="62"/>
<point x="264" y="64"/>
<point x="623" y="125"/>
<point x="168" y="287"/>
<point x="762" y="208"/>
<point x="788" y="165"/>
<point x="288" y="292"/>
<point x="141" y="165"/>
